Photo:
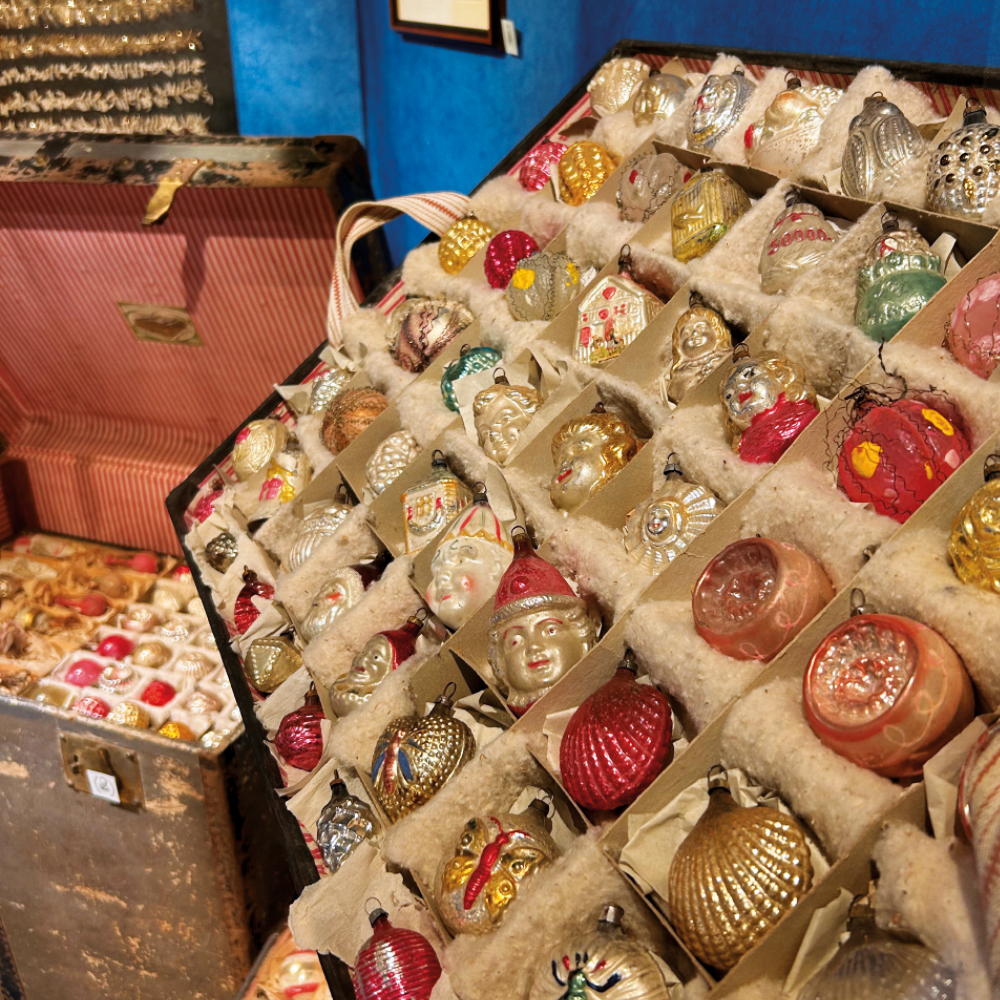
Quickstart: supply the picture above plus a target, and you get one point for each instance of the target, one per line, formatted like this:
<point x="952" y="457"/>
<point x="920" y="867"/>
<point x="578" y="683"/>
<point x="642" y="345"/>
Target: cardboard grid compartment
<point x="745" y="714"/>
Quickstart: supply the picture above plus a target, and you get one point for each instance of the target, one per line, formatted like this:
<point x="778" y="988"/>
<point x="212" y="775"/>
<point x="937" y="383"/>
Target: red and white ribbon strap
<point x="438" y="212"/>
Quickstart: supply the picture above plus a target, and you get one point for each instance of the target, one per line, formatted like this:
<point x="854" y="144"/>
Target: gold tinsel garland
<point x="101" y="71"/>
<point x="18" y="14"/>
<point x="127" y="99"/>
<point x="82" y="46"/>
<point x="135" y="124"/>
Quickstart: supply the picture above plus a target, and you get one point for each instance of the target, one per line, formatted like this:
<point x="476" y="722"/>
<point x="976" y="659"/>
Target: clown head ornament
<point x="501" y="412"/>
<point x="701" y="342"/>
<point x="468" y="563"/>
<point x="719" y="105"/>
<point x="539" y="629"/>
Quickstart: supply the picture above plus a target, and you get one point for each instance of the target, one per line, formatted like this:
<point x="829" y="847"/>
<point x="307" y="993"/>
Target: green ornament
<point x="473" y="359"/>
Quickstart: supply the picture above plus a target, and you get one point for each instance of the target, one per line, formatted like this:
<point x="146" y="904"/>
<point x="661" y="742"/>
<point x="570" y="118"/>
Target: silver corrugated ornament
<point x="612" y="86"/>
<point x="657" y="98"/>
<point x="256" y="444"/>
<point x="389" y="459"/>
<point x="326" y="388"/>
<point x="963" y="175"/>
<point x="720" y="103"/>
<point x="542" y="286"/>
<point x="317" y="528"/>
<point x="646" y="184"/>
<point x="345" y="822"/>
<point x="221" y="551"/>
<point x="880" y="141"/>
<point x="799" y="238"/>
<point x="424" y="328"/>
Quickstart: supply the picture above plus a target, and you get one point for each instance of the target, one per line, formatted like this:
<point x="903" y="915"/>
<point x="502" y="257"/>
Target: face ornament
<point x="704" y="211"/>
<point x="389" y="459"/>
<point x="501" y="413"/>
<point x="472" y="360"/>
<point x="612" y="86"/>
<point x="425" y="327"/>
<point x="462" y="242"/>
<point x="657" y="98"/>
<point x="344" y="824"/>
<point x="351" y="413"/>
<point x="880" y="141"/>
<point x="701" y="342"/>
<point x="270" y="661"/>
<point x="326" y="388"/>
<point x="583" y="169"/>
<point x="963" y="174"/>
<point x="974" y="545"/>
<point x="542" y="285"/>
<point x="316" y="528"/>
<point x="341" y="591"/>
<point x="719" y="105"/>
<point x="799" y="239"/>
<point x="503" y="253"/>
<point x="256" y="445"/>
<point x="431" y="503"/>
<point x="536" y="168"/>
<point x="647" y="183"/>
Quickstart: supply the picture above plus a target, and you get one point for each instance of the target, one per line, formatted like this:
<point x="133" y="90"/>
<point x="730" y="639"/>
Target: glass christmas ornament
<point x="720" y="103"/>
<point x="973" y="332"/>
<point x="129" y="714"/>
<point x="738" y="872"/>
<point x="341" y="591"/>
<point x="175" y="629"/>
<point x="300" y="976"/>
<point x="382" y="654"/>
<point x="192" y="665"/>
<point x="316" y="528"/>
<point x="462" y="242"/>
<point x="213" y="739"/>
<point x="92" y="706"/>
<point x="351" y="413"/>
<point x="174" y="730"/>
<point x="898" y="452"/>
<point x="874" y="965"/>
<point x="898" y="278"/>
<point x="90" y="605"/>
<point x="113" y="585"/>
<point x="583" y="169"/>
<point x="886" y="692"/>
<point x="539" y="629"/>
<point x="973" y="546"/>
<point x="879" y="142"/>
<point x="755" y="597"/>
<point x="701" y="342"/>
<point x="472" y="360"/>
<point x="221" y="551"/>
<point x="270" y="661"/>
<point x="299" y="738"/>
<point x="468" y="563"/>
<point x="536" y="167"/>
<point x="587" y="453"/>
<point x="767" y="403"/>
<point x="245" y="612"/>
<point x="606" y="963"/>
<point x="46" y="693"/>
<point x="612" y="86"/>
<point x="416" y="755"/>
<point x="661" y="527"/>
<point x="647" y="183"/>
<point x="344" y="824"/>
<point x="617" y="741"/>
<point x="657" y="97"/>
<point x="799" y="238"/>
<point x="204" y="506"/>
<point x="158" y="693"/>
<point x="256" y="444"/>
<point x="963" y="175"/>
<point x="287" y="476"/>
<point x="389" y="459"/>
<point x="542" y="286"/>
<point x="117" y="678"/>
<point x="703" y="212"/>
<point x="326" y="388"/>
<point x="424" y="328"/>
<point x="431" y="503"/>
<point x="496" y="856"/>
<point x="503" y="253"/>
<point x="151" y="653"/>
<point x="501" y="413"/>
<point x="9" y="585"/>
<point x="140" y="562"/>
<point x="394" y="964"/>
<point x="789" y="130"/>
<point x="202" y="703"/>
<point x="83" y="673"/>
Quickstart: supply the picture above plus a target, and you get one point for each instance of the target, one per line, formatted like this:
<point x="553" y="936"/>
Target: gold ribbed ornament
<point x="974" y="545"/>
<point x="256" y="445"/>
<point x="462" y="242"/>
<point x="349" y="415"/>
<point x="128" y="713"/>
<point x="584" y="167"/>
<point x="703" y="212"/>
<point x="176" y="731"/>
<point x="270" y="661"/>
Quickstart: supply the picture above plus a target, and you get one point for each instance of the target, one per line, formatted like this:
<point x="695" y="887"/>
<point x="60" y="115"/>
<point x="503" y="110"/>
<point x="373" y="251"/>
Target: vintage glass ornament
<point x="416" y="755"/>
<point x="83" y="673"/>
<point x="9" y="585"/>
<point x="463" y="240"/>
<point x="245" y="612"/>
<point x="536" y="167"/>
<point x="587" y="453"/>
<point x="175" y="629"/>
<point x="503" y="253"/>
<point x="256" y="445"/>
<point x="738" y="872"/>
<point x="424" y="328"/>
<point x="92" y="706"/>
<point x="270" y="661"/>
<point x="221" y="551"/>
<point x="151" y="653"/>
<point x="46" y="693"/>
<point x="756" y="596"/>
<point x="496" y="856"/>
<point x="287" y="476"/>
<point x="431" y="503"/>
<point x="899" y="451"/>
<point x="767" y="403"/>
<point x="704" y="211"/>
<point x="394" y="964"/>
<point x="886" y="692"/>
<point x="963" y="174"/>
<point x="657" y="97"/>
<point x="90" y="605"/>
<point x="789" y="129"/>
<point x="175" y="730"/>
<point x="647" y="183"/>
<point x="115" y="647"/>
<point x="701" y="342"/>
<point x="192" y="665"/>
<point x="326" y="388"/>
<point x="299" y="738"/>
<point x="542" y="286"/>
<point x="213" y="739"/>
<point x="202" y="703"/>
<point x="612" y="86"/>
<point x="973" y="545"/>
<point x="617" y="741"/>
<point x="315" y="529"/>
<point x="898" y="278"/>
<point x="158" y="693"/>
<point x="583" y="169"/>
<point x="720" y="103"/>
<point x="382" y="654"/>
<point x="501" y="412"/>
<point x="799" y="238"/>
<point x="351" y="413"/>
<point x="468" y="562"/>
<point x="113" y="585"/>
<point x="973" y="332"/>
<point x="879" y="142"/>
<point x="872" y="964"/>
<point x="117" y="678"/>
<point x="662" y="526"/>
<point x="604" y="963"/>
<point x="204" y="507"/>
<point x="345" y="823"/>
<point x="340" y="592"/>
<point x="389" y="459"/>
<point x="300" y="976"/>
<point x="539" y="629"/>
<point x="129" y="714"/>
<point x="472" y="360"/>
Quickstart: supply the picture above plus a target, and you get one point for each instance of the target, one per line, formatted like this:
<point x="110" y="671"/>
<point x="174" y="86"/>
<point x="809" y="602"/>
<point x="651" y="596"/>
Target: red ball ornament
<point x="245" y="612"/>
<point x="90" y="605"/>
<point x="503" y="253"/>
<point x="83" y="673"/>
<point x="617" y="742"/>
<point x="299" y="738"/>
<point x="536" y="167"/>
<point x="394" y="964"/>
<point x="898" y="453"/>
<point x="115" y="647"/>
<point x="158" y="693"/>
<point x="141" y="562"/>
<point x="95" y="708"/>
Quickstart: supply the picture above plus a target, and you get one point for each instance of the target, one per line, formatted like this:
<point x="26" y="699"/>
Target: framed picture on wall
<point x="462" y="20"/>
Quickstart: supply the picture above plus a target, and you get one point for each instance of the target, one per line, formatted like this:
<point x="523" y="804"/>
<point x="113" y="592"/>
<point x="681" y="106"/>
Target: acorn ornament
<point x="536" y="167"/>
<point x="424" y="328"/>
<point x="351" y="413"/>
<point x="880" y="140"/>
<point x="503" y="253"/>
<point x="270" y="661"/>
<point x="963" y="173"/>
<point x="470" y="361"/>
<point x="542" y="285"/>
<point x="583" y="169"/>
<point x="394" y="963"/>
<point x="245" y="612"/>
<point x="612" y="86"/>
<point x="657" y="97"/>
<point x="462" y="242"/>
<point x="973" y="546"/>
<point x="221" y="551"/>
<point x="299" y="739"/>
<point x="973" y="331"/>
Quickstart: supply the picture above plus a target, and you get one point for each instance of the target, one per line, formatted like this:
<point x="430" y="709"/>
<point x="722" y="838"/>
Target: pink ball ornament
<point x="973" y="333"/>
<point x="503" y="253"/>
<point x="536" y="168"/>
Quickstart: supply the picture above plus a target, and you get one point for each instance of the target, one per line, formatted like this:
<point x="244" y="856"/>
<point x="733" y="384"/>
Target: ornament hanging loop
<point x="625" y="260"/>
<point x="792" y="81"/>
<point x="629" y="661"/>
<point x="500" y="377"/>
<point x="991" y="467"/>
<point x="740" y="353"/>
<point x="858" y="604"/>
<point x="718" y="777"/>
<point x="890" y="222"/>
<point x="479" y="493"/>
<point x="791" y="197"/>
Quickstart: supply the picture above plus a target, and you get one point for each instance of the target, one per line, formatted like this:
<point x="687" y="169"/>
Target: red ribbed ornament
<point x="115" y="647"/>
<point x="617" y="742"/>
<point x="83" y="673"/>
<point x="90" y="605"/>
<point x="96" y="708"/>
<point x="536" y="168"/>
<point x="395" y="964"/>
<point x="158" y="693"/>
<point x="503" y="253"/>
<point x="245" y="612"/>
<point x="299" y="738"/>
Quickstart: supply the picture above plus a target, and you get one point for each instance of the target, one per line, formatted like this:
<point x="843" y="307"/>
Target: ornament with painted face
<point x="701" y="342"/>
<point x="720" y="103"/>
<point x="657" y="98"/>
<point x="340" y="592"/>
<point x="647" y="183"/>
<point x="501" y="413"/>
<point x="316" y="528"/>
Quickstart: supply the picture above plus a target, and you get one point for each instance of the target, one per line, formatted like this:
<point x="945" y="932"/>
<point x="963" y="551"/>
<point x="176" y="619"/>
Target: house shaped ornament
<point x="612" y="314"/>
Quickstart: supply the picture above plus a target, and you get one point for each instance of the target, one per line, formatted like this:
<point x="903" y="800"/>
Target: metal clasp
<point x="101" y="769"/>
<point x="163" y="197"/>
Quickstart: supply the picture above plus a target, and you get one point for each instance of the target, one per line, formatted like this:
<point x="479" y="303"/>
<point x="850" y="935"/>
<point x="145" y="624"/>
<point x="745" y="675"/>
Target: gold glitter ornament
<point x="176" y="731"/>
<point x="256" y="445"/>
<point x="613" y="85"/>
<point x="270" y="661"/>
<point x="128" y="713"/>
<point x="704" y="211"/>
<point x="584" y="167"/>
<point x="150" y="654"/>
<point x="974" y="545"/>
<point x="462" y="242"/>
<point x="350" y="414"/>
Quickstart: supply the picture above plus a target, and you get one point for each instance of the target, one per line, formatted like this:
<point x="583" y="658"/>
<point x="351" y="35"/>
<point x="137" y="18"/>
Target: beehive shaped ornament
<point x="583" y="168"/>
<point x="703" y="212"/>
<point x="462" y="242"/>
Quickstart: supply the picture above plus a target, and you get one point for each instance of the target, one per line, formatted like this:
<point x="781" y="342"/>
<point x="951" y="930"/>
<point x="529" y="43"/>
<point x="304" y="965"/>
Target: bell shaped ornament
<point x="657" y="98"/>
<point x="537" y="166"/>
<point x="424" y="328"/>
<point x="501" y="413"/>
<point x="583" y="169"/>
<point x="345" y="823"/>
<point x="799" y="238"/>
<point x="701" y="341"/>
<point x="704" y="211"/>
<point x="612" y="86"/>
<point x="462" y="242"/>
<point x="256" y="445"/>
<point x="431" y="503"/>
<point x="973" y="331"/>
<point x="721" y="101"/>
<point x="351" y="413"/>
<point x="647" y="183"/>
<point x="542" y="285"/>
<point x="880" y="141"/>
<point x="963" y="174"/>
<point x="472" y="360"/>
<point x="316" y="528"/>
<point x="974" y="545"/>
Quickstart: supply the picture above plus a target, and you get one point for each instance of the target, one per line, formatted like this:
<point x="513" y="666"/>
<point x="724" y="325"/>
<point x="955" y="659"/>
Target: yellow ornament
<point x="974" y="546"/>
<point x="176" y="731"/>
<point x="704" y="211"/>
<point x="128" y="713"/>
<point x="462" y="242"/>
<point x="270" y="661"/>
<point x="584" y="167"/>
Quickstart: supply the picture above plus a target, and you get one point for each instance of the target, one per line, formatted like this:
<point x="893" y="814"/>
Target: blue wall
<point x="437" y="116"/>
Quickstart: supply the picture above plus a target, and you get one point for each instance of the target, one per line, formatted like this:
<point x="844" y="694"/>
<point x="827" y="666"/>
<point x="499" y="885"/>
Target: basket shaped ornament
<point x="394" y="963"/>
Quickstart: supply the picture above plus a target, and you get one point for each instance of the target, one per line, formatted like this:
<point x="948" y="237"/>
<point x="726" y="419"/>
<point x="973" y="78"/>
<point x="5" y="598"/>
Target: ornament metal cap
<point x="444" y="701"/>
<point x="479" y="492"/>
<point x="718" y="778"/>
<point x="438" y="460"/>
<point x="740" y="353"/>
<point x="673" y="466"/>
<point x="991" y="467"/>
<point x="791" y="197"/>
<point x="376" y="915"/>
<point x="858" y="604"/>
<point x="611" y="915"/>
<point x="500" y="377"/>
<point x="975" y="113"/>
<point x="625" y="260"/>
<point x="890" y="222"/>
<point x="628" y="661"/>
<point x="792" y="82"/>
